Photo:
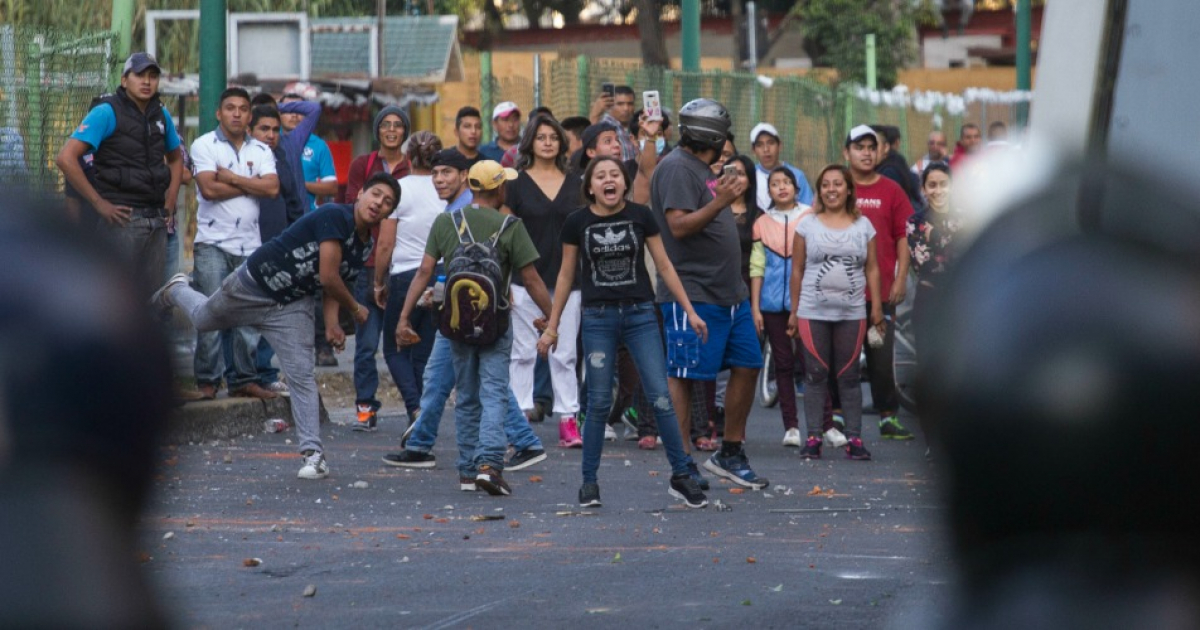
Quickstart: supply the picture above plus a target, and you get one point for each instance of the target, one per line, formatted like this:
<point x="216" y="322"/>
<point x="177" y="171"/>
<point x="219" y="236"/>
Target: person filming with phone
<point x="614" y="106"/>
<point x="701" y="239"/>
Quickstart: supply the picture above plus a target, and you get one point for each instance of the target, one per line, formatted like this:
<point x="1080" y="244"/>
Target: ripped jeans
<point x="635" y="325"/>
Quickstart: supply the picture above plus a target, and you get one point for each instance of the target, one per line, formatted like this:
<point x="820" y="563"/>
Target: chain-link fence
<point x="812" y="117"/>
<point x="47" y="80"/>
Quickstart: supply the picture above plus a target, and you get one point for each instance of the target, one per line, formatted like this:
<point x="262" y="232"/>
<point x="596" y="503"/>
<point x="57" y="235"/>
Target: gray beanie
<point x="387" y="111"/>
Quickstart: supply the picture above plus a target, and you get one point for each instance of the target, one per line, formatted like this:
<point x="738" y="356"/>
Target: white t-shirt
<point x="834" y="287"/>
<point x="419" y="206"/>
<point x="232" y="224"/>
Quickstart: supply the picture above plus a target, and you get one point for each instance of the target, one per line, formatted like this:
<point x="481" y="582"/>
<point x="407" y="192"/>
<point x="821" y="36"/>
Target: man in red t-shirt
<point x="391" y="130"/>
<point x="886" y="205"/>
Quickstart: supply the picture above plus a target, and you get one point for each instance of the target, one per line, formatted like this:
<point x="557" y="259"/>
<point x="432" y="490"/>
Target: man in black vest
<point x="138" y="167"/>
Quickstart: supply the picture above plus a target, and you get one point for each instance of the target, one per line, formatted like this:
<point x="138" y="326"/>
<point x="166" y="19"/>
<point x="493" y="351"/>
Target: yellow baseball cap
<point x="488" y="175"/>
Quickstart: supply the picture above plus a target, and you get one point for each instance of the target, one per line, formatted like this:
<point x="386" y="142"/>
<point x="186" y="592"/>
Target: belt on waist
<point x="149" y="213"/>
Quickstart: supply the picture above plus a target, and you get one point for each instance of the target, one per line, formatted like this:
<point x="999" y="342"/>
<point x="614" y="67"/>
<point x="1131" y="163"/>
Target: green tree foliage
<point x="835" y="34"/>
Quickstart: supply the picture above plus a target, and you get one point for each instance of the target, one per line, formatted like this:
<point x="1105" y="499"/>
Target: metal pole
<point x="8" y="75"/>
<point x="584" y="88"/>
<point x="35" y="148"/>
<point x="485" y="96"/>
<point x="122" y="25"/>
<point x="381" y="15"/>
<point x="691" y="47"/>
<point x="752" y="36"/>
<point x="537" y="81"/>
<point x="213" y="64"/>
<point x="752" y="60"/>
<point x="1024" y="57"/>
<point x="871" y="61"/>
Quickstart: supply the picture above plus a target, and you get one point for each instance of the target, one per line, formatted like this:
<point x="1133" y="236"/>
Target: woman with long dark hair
<point x="607" y="241"/>
<point x="543" y="196"/>
<point x="770" y="296"/>
<point x="833" y="264"/>
<point x="931" y="235"/>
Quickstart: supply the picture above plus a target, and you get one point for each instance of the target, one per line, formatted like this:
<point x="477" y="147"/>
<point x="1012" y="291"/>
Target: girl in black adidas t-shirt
<point x="606" y="242"/>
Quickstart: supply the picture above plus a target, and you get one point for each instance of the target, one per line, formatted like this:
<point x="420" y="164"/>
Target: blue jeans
<point x="635" y="325"/>
<point x="481" y="377"/>
<point x="407" y="364"/>
<point x="212" y="266"/>
<point x="366" y="342"/>
<point x="439" y="381"/>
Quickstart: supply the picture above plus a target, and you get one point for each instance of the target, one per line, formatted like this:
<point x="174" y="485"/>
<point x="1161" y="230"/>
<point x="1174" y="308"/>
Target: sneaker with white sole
<point x="410" y="459"/>
<point x="467" y="484"/>
<point x="279" y="388"/>
<point x="525" y="458"/>
<point x="367" y="418"/>
<point x="791" y="437"/>
<point x="736" y="468"/>
<point x="835" y="438"/>
<point x="161" y="299"/>
<point x="492" y="482"/>
<point x="685" y="488"/>
<point x="589" y="495"/>
<point x="315" y="466"/>
<point x="610" y="434"/>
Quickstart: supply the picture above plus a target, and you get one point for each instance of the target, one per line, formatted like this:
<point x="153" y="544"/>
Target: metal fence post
<point x="582" y="87"/>
<point x="537" y="81"/>
<point x="485" y="96"/>
<point x="34" y="146"/>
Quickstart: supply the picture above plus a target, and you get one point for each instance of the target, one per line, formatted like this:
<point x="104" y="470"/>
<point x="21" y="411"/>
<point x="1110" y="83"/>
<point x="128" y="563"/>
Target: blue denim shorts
<point x="732" y="340"/>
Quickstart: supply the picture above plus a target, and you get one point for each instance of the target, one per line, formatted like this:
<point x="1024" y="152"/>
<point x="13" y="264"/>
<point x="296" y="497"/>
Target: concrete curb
<point x="227" y="418"/>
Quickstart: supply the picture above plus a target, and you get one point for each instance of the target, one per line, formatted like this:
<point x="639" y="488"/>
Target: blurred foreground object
<point x="1060" y="391"/>
<point x="85" y="386"/>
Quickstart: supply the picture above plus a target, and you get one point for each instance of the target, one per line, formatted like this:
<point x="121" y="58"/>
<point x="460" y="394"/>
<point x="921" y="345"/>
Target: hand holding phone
<point x="608" y="89"/>
<point x="651" y="105"/>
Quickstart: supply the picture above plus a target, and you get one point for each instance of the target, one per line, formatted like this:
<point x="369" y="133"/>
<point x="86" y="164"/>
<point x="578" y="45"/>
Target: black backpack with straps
<point x="476" y="306"/>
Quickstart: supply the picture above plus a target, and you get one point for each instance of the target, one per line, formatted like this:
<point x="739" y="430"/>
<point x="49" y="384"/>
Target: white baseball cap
<point x="860" y="132"/>
<point x="504" y="109"/>
<point x="762" y="128"/>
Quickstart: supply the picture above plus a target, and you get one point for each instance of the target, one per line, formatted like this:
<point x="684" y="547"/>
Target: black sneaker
<point x="490" y="480"/>
<point x="525" y="458"/>
<point x="812" y="448"/>
<point x="856" y="450"/>
<point x="325" y="358"/>
<point x="685" y="488"/>
<point x="891" y="429"/>
<point x="694" y="472"/>
<point x="410" y="459"/>
<point x="736" y="468"/>
<point x="589" y="495"/>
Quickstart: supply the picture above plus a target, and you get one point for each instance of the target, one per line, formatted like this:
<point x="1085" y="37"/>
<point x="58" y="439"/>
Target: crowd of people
<point x="612" y="271"/>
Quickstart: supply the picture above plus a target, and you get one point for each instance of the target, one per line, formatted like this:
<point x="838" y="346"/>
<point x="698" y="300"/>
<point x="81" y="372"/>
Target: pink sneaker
<point x="568" y="433"/>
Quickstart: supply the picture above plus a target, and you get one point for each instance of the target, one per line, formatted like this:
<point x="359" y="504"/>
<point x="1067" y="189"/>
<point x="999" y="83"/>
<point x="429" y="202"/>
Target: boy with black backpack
<point x="481" y="248"/>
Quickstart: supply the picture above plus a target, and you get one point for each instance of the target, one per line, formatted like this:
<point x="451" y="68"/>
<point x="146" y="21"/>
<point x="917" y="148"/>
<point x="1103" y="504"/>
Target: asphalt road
<point x="403" y="551"/>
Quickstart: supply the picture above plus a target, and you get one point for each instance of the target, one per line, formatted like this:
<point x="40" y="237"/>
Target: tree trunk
<point x="654" y="47"/>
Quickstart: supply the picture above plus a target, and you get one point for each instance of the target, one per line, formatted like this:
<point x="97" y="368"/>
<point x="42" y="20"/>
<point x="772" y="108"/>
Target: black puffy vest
<point x="130" y="164"/>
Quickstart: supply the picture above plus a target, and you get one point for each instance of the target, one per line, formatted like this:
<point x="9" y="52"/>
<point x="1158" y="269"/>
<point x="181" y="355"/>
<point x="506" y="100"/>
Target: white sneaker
<point x="161" y="299"/>
<point x="314" y="466"/>
<point x="792" y="438"/>
<point x="610" y="434"/>
<point x="279" y="387"/>
<point x="835" y="438"/>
